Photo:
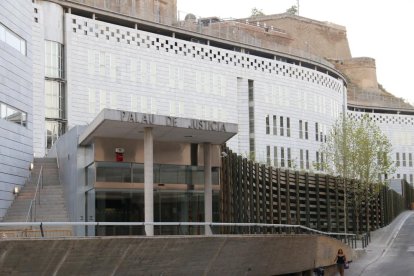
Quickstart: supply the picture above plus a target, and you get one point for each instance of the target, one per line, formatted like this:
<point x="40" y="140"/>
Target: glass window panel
<point x="3" y="109"/>
<point x="113" y="172"/>
<point x="23" y="47"/>
<point x="13" y="40"/>
<point x="53" y="59"/>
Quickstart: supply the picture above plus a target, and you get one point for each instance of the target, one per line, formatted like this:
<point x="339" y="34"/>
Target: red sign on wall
<point x="119" y="154"/>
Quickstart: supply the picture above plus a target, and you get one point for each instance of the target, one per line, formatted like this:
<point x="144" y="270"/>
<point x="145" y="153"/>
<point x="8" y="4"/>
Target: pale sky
<point x="380" y="29"/>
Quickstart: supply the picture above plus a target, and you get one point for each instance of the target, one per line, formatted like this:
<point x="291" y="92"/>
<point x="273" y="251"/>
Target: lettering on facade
<point x="171" y="121"/>
<point x="132" y="117"/>
<point x="207" y="125"/>
<point x="149" y="119"/>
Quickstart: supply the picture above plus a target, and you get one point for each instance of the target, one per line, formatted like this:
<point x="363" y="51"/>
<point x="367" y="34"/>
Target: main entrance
<point x="169" y="206"/>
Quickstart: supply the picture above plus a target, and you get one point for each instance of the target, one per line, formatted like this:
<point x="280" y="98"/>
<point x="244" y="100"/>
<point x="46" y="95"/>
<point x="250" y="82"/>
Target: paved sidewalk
<point x="381" y="239"/>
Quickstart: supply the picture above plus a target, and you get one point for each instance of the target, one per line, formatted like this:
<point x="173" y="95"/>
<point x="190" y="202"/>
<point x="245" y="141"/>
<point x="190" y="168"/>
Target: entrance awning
<point x="112" y="123"/>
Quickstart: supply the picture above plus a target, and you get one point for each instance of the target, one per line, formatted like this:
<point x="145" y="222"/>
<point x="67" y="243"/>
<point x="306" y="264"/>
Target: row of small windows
<point x="403" y="162"/>
<point x="12" y="114"/>
<point x="278" y="128"/>
<point x="12" y="39"/>
<point x="282" y="158"/>
<point x="152" y="41"/>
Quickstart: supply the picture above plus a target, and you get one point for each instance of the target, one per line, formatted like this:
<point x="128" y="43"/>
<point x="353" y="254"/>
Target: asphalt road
<point x="391" y="251"/>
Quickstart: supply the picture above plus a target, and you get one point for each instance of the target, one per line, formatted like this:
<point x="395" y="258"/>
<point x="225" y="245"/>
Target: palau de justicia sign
<point x="170" y="121"/>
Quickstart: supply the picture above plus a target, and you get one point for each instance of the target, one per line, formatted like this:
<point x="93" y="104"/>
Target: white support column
<point x="148" y="180"/>
<point x="208" y="189"/>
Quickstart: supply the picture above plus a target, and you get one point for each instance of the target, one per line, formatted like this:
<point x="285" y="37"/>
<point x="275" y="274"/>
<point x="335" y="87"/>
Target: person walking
<point x="340" y="261"/>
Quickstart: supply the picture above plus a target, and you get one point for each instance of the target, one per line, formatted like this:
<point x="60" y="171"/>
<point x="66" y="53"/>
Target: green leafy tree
<point x="256" y="12"/>
<point x="292" y="10"/>
<point x="358" y="150"/>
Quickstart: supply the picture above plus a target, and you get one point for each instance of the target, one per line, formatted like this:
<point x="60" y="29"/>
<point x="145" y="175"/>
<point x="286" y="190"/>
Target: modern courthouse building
<point x="134" y="99"/>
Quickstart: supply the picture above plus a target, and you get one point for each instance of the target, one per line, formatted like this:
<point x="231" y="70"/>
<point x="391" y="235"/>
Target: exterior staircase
<point x="49" y="205"/>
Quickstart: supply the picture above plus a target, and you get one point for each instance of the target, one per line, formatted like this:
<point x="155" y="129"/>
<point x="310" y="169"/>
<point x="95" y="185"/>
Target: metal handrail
<point x="37" y="192"/>
<point x="347" y="236"/>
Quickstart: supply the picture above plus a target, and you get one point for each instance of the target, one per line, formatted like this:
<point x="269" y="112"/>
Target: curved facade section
<point x="49" y="86"/>
<point x="400" y="131"/>
<point x="111" y="66"/>
<point x="16" y="101"/>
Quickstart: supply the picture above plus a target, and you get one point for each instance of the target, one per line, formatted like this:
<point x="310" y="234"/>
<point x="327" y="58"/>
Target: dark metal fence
<point x="256" y="193"/>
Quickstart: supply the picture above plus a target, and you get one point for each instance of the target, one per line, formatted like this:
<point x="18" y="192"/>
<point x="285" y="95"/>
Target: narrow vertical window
<point x="404" y="160"/>
<point x="287" y="126"/>
<point x="251" y="119"/>
<point x="307" y="159"/>
<point x="282" y="157"/>
<point x="397" y="157"/>
<point x="317" y="160"/>
<point x="411" y="179"/>
<point x="267" y="125"/>
<point x="289" y="159"/>
<point x="275" y="161"/>
<point x="274" y="125"/>
<point x="410" y="159"/>
<point x="306" y="131"/>
<point x="250" y="84"/>
<point x="316" y="132"/>
<point x="268" y="155"/>
<point x="322" y="165"/>
<point x="300" y="130"/>
<point x="301" y="159"/>
<point x="281" y="126"/>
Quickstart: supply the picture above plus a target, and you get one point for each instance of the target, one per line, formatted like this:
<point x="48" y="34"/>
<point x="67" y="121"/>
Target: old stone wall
<point x="323" y="39"/>
<point x="162" y="11"/>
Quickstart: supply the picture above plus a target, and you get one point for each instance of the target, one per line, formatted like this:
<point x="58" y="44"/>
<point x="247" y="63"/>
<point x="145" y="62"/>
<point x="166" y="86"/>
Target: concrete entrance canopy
<point x="130" y="125"/>
<point x="149" y="127"/>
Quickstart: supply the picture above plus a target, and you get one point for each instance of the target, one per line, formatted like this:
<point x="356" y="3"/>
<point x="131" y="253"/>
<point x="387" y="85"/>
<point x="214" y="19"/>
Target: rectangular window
<point x="404" y="160"/>
<point x="282" y="157"/>
<point x="268" y="155"/>
<point x="274" y="125"/>
<point x="321" y="166"/>
<point x="267" y="125"/>
<point x="251" y="119"/>
<point x="12" y="39"/>
<point x="54" y="99"/>
<point x="316" y="132"/>
<point x="12" y="114"/>
<point x="397" y="157"/>
<point x="306" y="131"/>
<point x="251" y="90"/>
<point x="289" y="159"/>
<point x="410" y="159"/>
<point x="302" y="164"/>
<point x="287" y="126"/>
<point x="251" y="147"/>
<point x="300" y="130"/>
<point x="307" y="159"/>
<point x="411" y="179"/>
<point x="317" y="160"/>
<point x="53" y="59"/>
<point x="275" y="161"/>
<point x="281" y="126"/>
<point x="321" y="132"/>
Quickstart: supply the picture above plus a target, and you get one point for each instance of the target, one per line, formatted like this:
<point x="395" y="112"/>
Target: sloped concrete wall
<point x="178" y="255"/>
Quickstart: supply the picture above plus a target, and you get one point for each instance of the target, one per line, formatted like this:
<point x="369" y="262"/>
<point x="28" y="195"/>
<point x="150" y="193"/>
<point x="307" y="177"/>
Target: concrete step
<point x="50" y="195"/>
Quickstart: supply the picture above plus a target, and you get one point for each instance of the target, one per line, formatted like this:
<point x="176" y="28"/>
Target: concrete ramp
<point x="172" y="255"/>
